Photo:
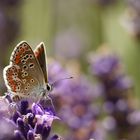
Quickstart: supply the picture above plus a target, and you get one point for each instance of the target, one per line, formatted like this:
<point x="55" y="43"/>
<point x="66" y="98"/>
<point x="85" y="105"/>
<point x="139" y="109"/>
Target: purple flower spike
<point x="31" y="117"/>
<point x="104" y="65"/>
<point x="45" y="132"/>
<point x="24" y="106"/>
<point x="30" y="135"/>
<point x="47" y="105"/>
<point x="24" y="121"/>
<point x="43" y="116"/>
<point x="38" y="128"/>
<point x="123" y="82"/>
<point x="36" y="109"/>
<point x="20" y="123"/>
<point x="18" y="135"/>
<point x="46" y="119"/>
<point x="16" y="116"/>
<point x="24" y="128"/>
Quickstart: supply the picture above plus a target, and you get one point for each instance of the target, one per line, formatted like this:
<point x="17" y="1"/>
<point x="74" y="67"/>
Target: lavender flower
<point x="73" y="100"/>
<point x="108" y="69"/>
<point x="103" y="65"/>
<point x="25" y="120"/>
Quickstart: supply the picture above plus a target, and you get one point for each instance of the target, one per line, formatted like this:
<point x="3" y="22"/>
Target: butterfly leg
<point x="51" y="102"/>
<point x="46" y="102"/>
<point x="16" y="98"/>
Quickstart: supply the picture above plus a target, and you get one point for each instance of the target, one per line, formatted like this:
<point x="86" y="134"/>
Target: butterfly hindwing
<point x="42" y="57"/>
<point x="24" y="75"/>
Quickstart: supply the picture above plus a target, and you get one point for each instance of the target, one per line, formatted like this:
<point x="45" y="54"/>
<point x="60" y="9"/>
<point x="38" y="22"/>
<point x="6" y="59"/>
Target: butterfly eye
<point x="49" y="87"/>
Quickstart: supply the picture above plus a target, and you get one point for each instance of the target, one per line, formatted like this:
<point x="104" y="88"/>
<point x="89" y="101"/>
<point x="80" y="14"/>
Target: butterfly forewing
<point x="42" y="57"/>
<point x="24" y="75"/>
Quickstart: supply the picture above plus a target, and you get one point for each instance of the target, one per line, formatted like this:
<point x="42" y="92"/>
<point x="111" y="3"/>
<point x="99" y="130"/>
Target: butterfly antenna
<point x="57" y="81"/>
<point x="51" y="103"/>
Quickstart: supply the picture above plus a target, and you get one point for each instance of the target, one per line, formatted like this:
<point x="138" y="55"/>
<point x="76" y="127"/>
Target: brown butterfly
<point x="27" y="74"/>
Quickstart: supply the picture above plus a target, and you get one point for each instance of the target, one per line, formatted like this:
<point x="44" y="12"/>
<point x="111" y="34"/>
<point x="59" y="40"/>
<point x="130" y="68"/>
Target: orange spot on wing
<point x="12" y="84"/>
<point x="19" y="53"/>
<point x="18" y="56"/>
<point x="10" y="79"/>
<point x="10" y="76"/>
<point x="17" y="59"/>
<point x="14" y="88"/>
<point x="36" y="53"/>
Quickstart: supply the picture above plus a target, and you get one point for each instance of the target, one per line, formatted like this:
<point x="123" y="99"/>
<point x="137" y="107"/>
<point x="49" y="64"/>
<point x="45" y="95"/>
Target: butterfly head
<point x="49" y="87"/>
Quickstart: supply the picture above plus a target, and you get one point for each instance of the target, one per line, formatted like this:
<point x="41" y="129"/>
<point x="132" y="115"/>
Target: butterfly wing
<point x="41" y="56"/>
<point x="24" y="75"/>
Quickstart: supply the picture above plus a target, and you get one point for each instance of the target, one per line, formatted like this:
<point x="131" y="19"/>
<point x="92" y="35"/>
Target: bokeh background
<point x="95" y="41"/>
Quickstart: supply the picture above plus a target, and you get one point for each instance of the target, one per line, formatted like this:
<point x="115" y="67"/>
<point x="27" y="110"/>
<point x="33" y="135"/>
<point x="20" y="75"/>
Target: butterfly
<point x="27" y="74"/>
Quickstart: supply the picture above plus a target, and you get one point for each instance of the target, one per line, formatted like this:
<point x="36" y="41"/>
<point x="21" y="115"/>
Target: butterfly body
<point x="26" y="75"/>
